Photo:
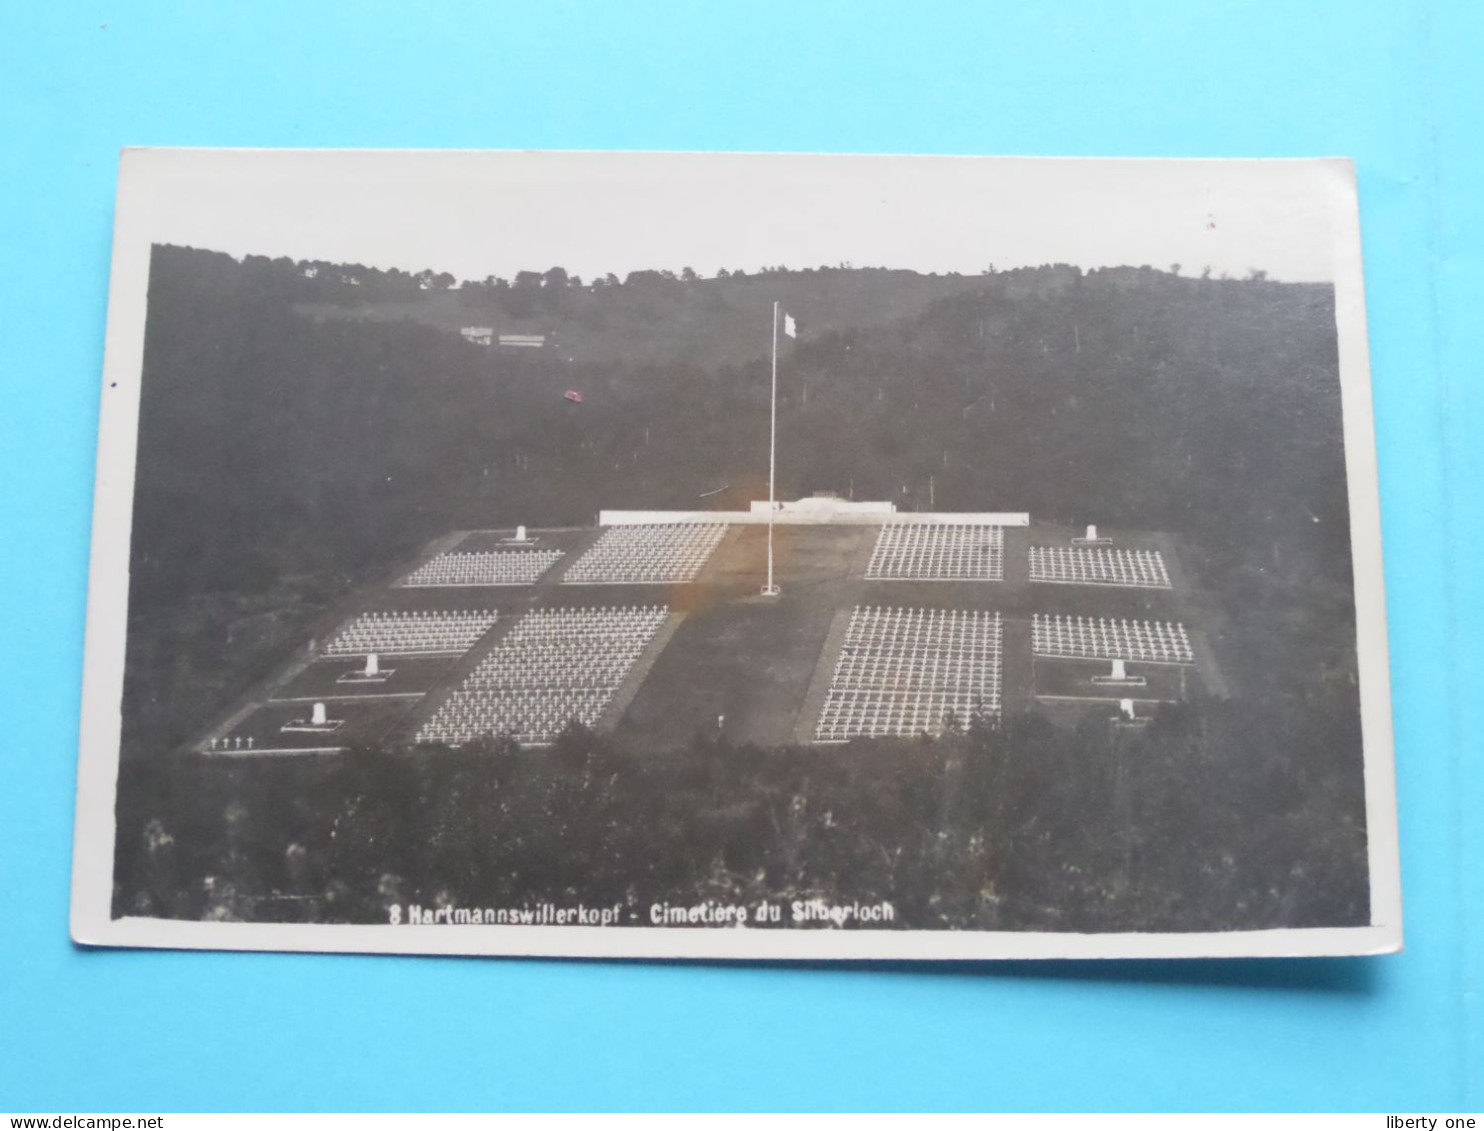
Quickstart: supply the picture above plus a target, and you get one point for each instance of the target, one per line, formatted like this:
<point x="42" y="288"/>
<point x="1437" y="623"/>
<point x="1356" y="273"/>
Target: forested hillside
<point x="650" y="318"/>
<point x="274" y="443"/>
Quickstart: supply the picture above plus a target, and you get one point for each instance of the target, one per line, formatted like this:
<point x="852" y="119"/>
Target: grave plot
<point x="908" y="671"/>
<point x="938" y="551"/>
<point x="411" y="633"/>
<point x="460" y="568"/>
<point x="357" y="677"/>
<point x="1087" y="565"/>
<point x="1099" y="680"/>
<point x="1110" y="638"/>
<point x="555" y="665"/>
<point x="320" y="727"/>
<point x="648" y="554"/>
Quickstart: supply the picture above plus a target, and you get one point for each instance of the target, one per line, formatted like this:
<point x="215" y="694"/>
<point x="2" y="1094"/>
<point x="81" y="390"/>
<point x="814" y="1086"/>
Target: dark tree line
<point x="323" y="280"/>
<point x="1209" y="819"/>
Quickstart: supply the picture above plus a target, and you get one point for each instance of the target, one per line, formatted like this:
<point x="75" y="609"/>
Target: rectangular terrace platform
<point x="710" y="654"/>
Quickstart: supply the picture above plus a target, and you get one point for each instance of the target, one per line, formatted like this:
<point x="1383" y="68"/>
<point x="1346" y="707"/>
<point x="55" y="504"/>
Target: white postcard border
<point x="147" y="181"/>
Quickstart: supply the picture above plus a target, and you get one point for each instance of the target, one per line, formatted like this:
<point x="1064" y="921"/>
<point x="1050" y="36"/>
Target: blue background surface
<point x="1391" y="84"/>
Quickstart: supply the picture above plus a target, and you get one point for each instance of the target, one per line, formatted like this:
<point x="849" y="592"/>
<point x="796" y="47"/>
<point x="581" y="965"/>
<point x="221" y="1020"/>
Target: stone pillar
<point x="373" y="667"/>
<point x="1092" y="533"/>
<point x="319" y="718"/>
<point x="1119" y="674"/>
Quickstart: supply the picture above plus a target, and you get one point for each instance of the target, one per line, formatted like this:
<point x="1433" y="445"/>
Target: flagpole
<point x="771" y="590"/>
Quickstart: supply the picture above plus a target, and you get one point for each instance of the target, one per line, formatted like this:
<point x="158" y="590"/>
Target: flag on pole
<point x="790" y="327"/>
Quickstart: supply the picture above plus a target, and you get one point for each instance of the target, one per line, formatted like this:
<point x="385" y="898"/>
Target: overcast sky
<point x="495" y="213"/>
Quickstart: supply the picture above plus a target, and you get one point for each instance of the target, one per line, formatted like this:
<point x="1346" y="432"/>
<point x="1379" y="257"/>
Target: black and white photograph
<point x="736" y="556"/>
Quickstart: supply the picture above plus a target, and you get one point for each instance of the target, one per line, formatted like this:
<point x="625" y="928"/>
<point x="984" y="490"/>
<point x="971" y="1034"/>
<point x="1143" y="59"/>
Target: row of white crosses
<point x="411" y="632"/>
<point x="461" y="568"/>
<point x="937" y="550"/>
<point x="900" y="671"/>
<point x="554" y="665"/>
<point x="646" y="553"/>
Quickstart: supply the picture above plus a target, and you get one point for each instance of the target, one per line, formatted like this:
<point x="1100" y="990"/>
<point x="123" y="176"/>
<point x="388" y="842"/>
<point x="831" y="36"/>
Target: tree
<point x="399" y="283"/>
<point x="688" y="275"/>
<point x="524" y="297"/>
<point x="555" y="279"/>
<point x="646" y="279"/>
